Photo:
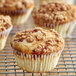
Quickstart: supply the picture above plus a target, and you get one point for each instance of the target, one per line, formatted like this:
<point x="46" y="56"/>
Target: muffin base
<point x="64" y="30"/>
<point x="3" y="37"/>
<point x="2" y="43"/>
<point x="21" y="19"/>
<point x="37" y="63"/>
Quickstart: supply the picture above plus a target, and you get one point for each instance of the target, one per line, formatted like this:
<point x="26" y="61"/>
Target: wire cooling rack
<point x="66" y="65"/>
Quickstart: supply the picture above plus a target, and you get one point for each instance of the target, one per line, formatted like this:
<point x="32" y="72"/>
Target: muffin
<point x="5" y="28"/>
<point x="54" y="15"/>
<point x="18" y="10"/>
<point x="37" y="50"/>
<point x="61" y="1"/>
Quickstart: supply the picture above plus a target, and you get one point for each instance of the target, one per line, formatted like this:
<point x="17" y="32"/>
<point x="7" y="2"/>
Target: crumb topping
<point x="37" y="41"/>
<point x="5" y="22"/>
<point x="54" y="13"/>
<point x="2" y="29"/>
<point x="30" y="35"/>
<point x="15" y="4"/>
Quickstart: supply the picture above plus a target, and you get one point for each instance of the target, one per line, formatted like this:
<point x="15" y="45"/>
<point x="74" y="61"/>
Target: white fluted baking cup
<point x="64" y="30"/>
<point x="37" y="63"/>
<point x="4" y="36"/>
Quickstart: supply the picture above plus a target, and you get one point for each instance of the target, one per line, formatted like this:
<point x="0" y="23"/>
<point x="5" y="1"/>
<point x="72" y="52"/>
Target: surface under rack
<point x="66" y="65"/>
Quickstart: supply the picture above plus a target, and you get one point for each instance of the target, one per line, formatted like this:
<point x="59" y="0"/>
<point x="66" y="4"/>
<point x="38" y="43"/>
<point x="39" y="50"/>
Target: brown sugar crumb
<point x="5" y="22"/>
<point x="54" y="13"/>
<point x="29" y="39"/>
<point x="2" y="29"/>
<point x="39" y="38"/>
<point x="30" y="35"/>
<point x="40" y="49"/>
<point x="15" y="4"/>
<point x="49" y="42"/>
<point x="34" y="41"/>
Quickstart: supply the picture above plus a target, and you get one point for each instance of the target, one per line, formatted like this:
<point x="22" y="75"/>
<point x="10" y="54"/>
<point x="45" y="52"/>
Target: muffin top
<point x="5" y="22"/>
<point x="15" y="6"/>
<point x="37" y="41"/>
<point x="54" y="13"/>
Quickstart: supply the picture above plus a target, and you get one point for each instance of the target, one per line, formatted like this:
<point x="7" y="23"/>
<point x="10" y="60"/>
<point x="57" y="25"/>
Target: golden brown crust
<point x="5" y="22"/>
<point x="37" y="41"/>
<point x="54" y="13"/>
<point x="15" y="7"/>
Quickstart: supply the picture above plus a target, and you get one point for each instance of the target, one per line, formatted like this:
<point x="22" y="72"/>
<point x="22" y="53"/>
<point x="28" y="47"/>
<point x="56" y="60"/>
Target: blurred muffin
<point x="19" y="10"/>
<point x="5" y="28"/>
<point x="61" y="1"/>
<point x="37" y="50"/>
<point x="58" y="16"/>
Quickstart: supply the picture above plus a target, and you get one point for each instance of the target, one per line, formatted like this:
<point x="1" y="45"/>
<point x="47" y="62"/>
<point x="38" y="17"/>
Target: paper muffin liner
<point x="37" y="63"/>
<point x="62" y="1"/>
<point x="3" y="37"/>
<point x="64" y="30"/>
<point x="22" y="18"/>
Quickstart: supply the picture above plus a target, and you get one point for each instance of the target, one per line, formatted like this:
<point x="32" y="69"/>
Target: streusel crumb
<point x="37" y="41"/>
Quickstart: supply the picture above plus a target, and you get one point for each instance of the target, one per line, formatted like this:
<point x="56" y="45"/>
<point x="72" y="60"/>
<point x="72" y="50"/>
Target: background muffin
<point x="19" y="10"/>
<point x="37" y="50"/>
<point x="62" y="1"/>
<point x="5" y="28"/>
<point x="54" y="15"/>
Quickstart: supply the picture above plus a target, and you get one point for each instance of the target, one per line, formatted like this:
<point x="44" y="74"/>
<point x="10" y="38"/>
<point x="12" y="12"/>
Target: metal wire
<point x="66" y="65"/>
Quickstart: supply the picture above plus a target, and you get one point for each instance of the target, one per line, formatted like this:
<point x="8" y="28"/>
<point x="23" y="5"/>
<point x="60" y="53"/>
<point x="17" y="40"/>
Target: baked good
<point x="58" y="16"/>
<point x="37" y="50"/>
<point x="5" y="28"/>
<point x="18" y="10"/>
<point x="61" y="1"/>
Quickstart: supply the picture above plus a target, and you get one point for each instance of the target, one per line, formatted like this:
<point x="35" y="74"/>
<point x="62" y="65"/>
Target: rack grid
<point x="66" y="65"/>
